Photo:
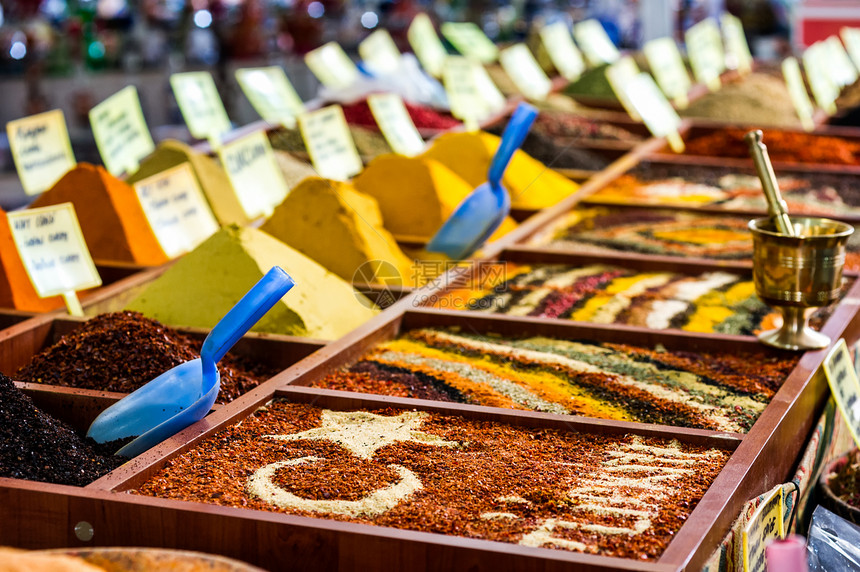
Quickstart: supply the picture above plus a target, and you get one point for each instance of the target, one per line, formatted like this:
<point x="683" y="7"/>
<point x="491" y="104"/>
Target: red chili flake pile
<point x="359" y="113"/>
<point x="615" y="496"/>
<point x="122" y="351"/>
<point x="845" y="482"/>
<point x="785" y="146"/>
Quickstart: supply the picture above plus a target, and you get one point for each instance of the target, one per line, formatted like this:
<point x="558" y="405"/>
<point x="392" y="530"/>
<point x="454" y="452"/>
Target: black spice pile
<point x="36" y="447"/>
<point x="555" y="156"/>
<point x="124" y="350"/>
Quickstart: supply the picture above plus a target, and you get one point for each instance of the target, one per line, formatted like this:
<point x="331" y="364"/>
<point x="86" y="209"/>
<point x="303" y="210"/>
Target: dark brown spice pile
<point x="124" y="350"/>
<point x="553" y="155"/>
<point x="462" y="485"/>
<point x="36" y="447"/>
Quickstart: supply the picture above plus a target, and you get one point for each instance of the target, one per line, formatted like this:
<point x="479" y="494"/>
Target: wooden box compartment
<point x="694" y="129"/>
<point x="20" y="344"/>
<point x="9" y="318"/>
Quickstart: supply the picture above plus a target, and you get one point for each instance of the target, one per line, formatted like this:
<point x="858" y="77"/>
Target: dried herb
<point x="124" y="350"/>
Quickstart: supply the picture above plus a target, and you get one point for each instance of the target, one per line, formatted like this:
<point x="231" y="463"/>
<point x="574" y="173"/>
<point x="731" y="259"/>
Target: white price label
<point x="200" y="105"/>
<point x="565" y="56"/>
<point x="470" y="41"/>
<point x="522" y="67"/>
<point x="667" y="65"/>
<point x="395" y="123"/>
<point x="842" y="71"/>
<point x="254" y="173"/>
<point x="332" y="66"/>
<point x="595" y="43"/>
<point x="823" y="89"/>
<point x="120" y="131"/>
<point x="330" y="143"/>
<point x="797" y="92"/>
<point x="271" y="94"/>
<point x="463" y="96"/>
<point x="380" y="53"/>
<point x="52" y="247"/>
<point x="851" y="39"/>
<point x="765" y="525"/>
<point x="705" y="48"/>
<point x="619" y="74"/>
<point x="426" y="44"/>
<point x="737" y="50"/>
<point x="658" y="114"/>
<point x="176" y="209"/>
<point x="41" y="149"/>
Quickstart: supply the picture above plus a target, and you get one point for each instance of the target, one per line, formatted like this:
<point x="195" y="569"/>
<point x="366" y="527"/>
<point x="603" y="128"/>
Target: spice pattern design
<point x="724" y="391"/>
<point x="715" y="301"/>
<point x="623" y="496"/>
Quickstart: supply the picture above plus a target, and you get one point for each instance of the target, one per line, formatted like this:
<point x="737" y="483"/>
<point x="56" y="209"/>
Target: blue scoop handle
<point x="247" y="311"/>
<point x="515" y="133"/>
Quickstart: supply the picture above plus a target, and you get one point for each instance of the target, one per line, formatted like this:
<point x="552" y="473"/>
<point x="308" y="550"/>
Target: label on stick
<point x="466" y="102"/>
<point x="669" y="70"/>
<point x="53" y="250"/>
<point x="842" y="71"/>
<point x="765" y="525"/>
<point x="120" y="131"/>
<point x="330" y="143"/>
<point x="737" y="49"/>
<point x="705" y="48"/>
<point x="380" y="53"/>
<point x="842" y="378"/>
<point x="595" y="43"/>
<point x="200" y="105"/>
<point x="176" y="209"/>
<point x="471" y="41"/>
<point x="271" y="94"/>
<point x="332" y="66"/>
<point x="395" y="123"/>
<point x="797" y="91"/>
<point x="254" y="173"/>
<point x="522" y="67"/>
<point x="426" y="44"/>
<point x="820" y="81"/>
<point x="619" y="74"/>
<point x="564" y="54"/>
<point x="41" y="149"/>
<point x="655" y="110"/>
<point x="851" y="39"/>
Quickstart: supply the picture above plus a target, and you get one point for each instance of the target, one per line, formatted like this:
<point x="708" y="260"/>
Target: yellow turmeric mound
<point x="110" y="214"/>
<point x="202" y="286"/>
<point x="416" y="195"/>
<point x="532" y="184"/>
<point x="211" y="177"/>
<point x="16" y="290"/>
<point x="341" y="229"/>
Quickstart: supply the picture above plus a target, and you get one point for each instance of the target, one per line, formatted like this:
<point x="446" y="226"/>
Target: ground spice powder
<point x="112" y="220"/>
<point x="124" y="350"/>
<point x="783" y="146"/>
<point x="615" y="496"/>
<point x="36" y="447"/>
<point x="757" y="98"/>
<point x="16" y="290"/>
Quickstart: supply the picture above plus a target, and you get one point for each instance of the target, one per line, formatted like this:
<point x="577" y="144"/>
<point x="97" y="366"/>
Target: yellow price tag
<point x="55" y="255"/>
<point x="271" y="94"/>
<point x="380" y="53"/>
<point x="668" y="68"/>
<point x="120" y="131"/>
<point x="332" y="66"/>
<point x="737" y="50"/>
<point x="842" y="378"/>
<point x="254" y="174"/>
<point x="564" y="54"/>
<point x="426" y="44"/>
<point x="821" y="83"/>
<point x="330" y="143"/>
<point x="396" y="124"/>
<point x="619" y="74"/>
<point x="595" y="43"/>
<point x="176" y="209"/>
<point x="655" y="110"/>
<point x="522" y="67"/>
<point x="705" y="48"/>
<point x="797" y="91"/>
<point x="470" y="41"/>
<point x="466" y="102"/>
<point x="851" y="39"/>
<point x="766" y="524"/>
<point x="200" y="105"/>
<point x="41" y="149"/>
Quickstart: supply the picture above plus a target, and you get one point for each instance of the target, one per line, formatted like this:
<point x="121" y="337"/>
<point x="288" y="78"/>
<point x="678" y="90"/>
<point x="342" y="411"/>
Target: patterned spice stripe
<point x="719" y="391"/>
<point x="719" y="302"/>
<point x="623" y="497"/>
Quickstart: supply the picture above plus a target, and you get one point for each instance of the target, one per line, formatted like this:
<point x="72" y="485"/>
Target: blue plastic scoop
<point x="478" y="216"/>
<point x="184" y="394"/>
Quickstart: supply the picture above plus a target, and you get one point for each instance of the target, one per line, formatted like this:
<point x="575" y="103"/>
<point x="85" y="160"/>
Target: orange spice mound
<point x="112" y="220"/>
<point x="16" y="290"/>
<point x="785" y="146"/>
